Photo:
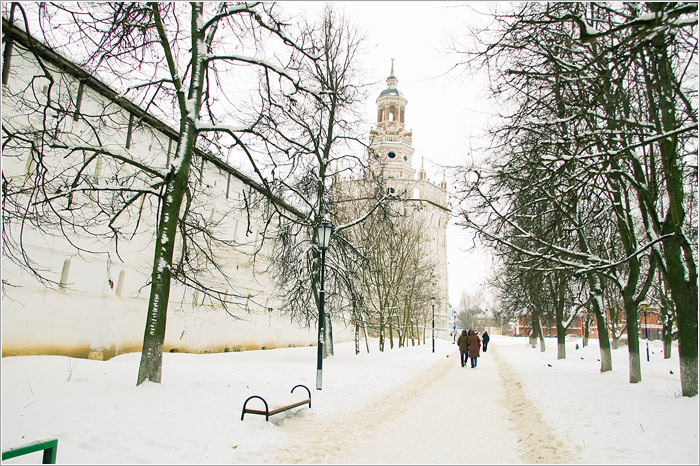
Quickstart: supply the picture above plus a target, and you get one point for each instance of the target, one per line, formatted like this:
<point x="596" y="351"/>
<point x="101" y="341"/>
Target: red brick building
<point x="650" y="325"/>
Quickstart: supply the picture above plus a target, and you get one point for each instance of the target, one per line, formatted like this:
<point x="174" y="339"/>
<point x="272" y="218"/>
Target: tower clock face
<point x="391" y="155"/>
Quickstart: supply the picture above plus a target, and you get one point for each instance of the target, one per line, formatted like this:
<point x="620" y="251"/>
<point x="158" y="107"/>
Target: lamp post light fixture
<point x="323" y="238"/>
<point x="432" y="301"/>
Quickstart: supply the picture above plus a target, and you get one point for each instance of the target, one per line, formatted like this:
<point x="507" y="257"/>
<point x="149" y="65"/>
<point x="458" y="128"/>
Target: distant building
<point x="649" y="323"/>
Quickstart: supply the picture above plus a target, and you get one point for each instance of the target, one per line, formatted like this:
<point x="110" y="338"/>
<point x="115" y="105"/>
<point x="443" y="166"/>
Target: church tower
<point x="390" y="151"/>
<point x="390" y="156"/>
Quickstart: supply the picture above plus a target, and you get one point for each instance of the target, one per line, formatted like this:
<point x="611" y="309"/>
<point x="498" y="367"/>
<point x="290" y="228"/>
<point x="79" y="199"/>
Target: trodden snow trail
<point x="537" y="441"/>
<point x="445" y="415"/>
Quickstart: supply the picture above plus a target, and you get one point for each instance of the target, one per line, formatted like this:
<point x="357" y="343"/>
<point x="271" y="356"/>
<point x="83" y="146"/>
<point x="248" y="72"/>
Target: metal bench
<point x="267" y="412"/>
<point x="48" y="446"/>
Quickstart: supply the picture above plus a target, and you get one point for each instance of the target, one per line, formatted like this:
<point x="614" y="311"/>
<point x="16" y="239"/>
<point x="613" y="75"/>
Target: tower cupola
<point x="390" y="143"/>
<point x="391" y="104"/>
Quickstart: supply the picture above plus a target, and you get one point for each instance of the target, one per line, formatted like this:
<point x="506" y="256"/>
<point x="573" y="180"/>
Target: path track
<point x="436" y="418"/>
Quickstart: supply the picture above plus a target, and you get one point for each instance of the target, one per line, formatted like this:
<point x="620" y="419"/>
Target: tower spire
<point x="391" y="81"/>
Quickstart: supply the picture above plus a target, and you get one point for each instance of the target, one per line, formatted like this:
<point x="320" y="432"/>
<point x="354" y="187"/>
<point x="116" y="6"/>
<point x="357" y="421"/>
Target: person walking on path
<point x="485" y="340"/>
<point x="463" y="347"/>
<point x="474" y="347"/>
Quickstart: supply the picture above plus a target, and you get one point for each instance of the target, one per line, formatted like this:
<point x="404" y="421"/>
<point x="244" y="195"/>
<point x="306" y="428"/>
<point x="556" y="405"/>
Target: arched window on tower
<point x="392" y="113"/>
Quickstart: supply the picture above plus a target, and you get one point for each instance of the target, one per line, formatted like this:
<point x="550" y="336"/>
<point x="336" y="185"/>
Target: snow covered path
<point x="446" y="415"/>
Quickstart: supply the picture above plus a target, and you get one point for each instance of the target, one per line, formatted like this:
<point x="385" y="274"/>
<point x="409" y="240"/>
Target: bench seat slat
<point x="284" y="408"/>
<point x="278" y="410"/>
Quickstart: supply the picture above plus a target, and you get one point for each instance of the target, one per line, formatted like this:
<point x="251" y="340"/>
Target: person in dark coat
<point x="463" y="348"/>
<point x="474" y="347"/>
<point x="485" y="340"/>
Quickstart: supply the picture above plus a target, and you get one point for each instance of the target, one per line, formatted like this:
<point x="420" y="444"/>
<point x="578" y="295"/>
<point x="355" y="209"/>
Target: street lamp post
<point x="323" y="237"/>
<point x="432" y="301"/>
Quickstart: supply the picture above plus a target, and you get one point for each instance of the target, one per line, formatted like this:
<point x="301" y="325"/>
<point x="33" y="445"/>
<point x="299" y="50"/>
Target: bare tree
<point x="311" y="142"/>
<point x="394" y="270"/>
<point x="471" y="304"/>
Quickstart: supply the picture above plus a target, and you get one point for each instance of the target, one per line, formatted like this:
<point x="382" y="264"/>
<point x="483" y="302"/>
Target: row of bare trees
<point x="396" y="273"/>
<point x="591" y="185"/>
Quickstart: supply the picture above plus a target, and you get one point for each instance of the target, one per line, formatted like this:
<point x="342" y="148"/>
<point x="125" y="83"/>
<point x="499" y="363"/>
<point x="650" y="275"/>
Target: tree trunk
<point x="150" y="367"/>
<point x="680" y="271"/>
<point x="615" y="342"/>
<point x="381" y="332"/>
<point x="561" y="331"/>
<point x="328" y="343"/>
<point x="667" y="334"/>
<point x="631" y="315"/>
<point x="357" y="337"/>
<point x="7" y="53"/>
<point x="603" y="341"/>
<point x="391" y="332"/>
<point x="536" y="331"/>
<point x="364" y="328"/>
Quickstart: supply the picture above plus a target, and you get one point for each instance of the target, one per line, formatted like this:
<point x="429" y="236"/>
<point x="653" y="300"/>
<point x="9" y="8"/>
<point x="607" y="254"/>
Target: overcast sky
<point x="446" y="111"/>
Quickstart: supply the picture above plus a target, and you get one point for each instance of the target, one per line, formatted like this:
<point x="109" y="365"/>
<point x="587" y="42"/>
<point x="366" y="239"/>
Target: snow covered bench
<point x="48" y="446"/>
<point x="267" y="412"/>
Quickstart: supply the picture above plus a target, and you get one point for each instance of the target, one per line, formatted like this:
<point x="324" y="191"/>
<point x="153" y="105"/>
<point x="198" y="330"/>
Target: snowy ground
<point x="403" y="406"/>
